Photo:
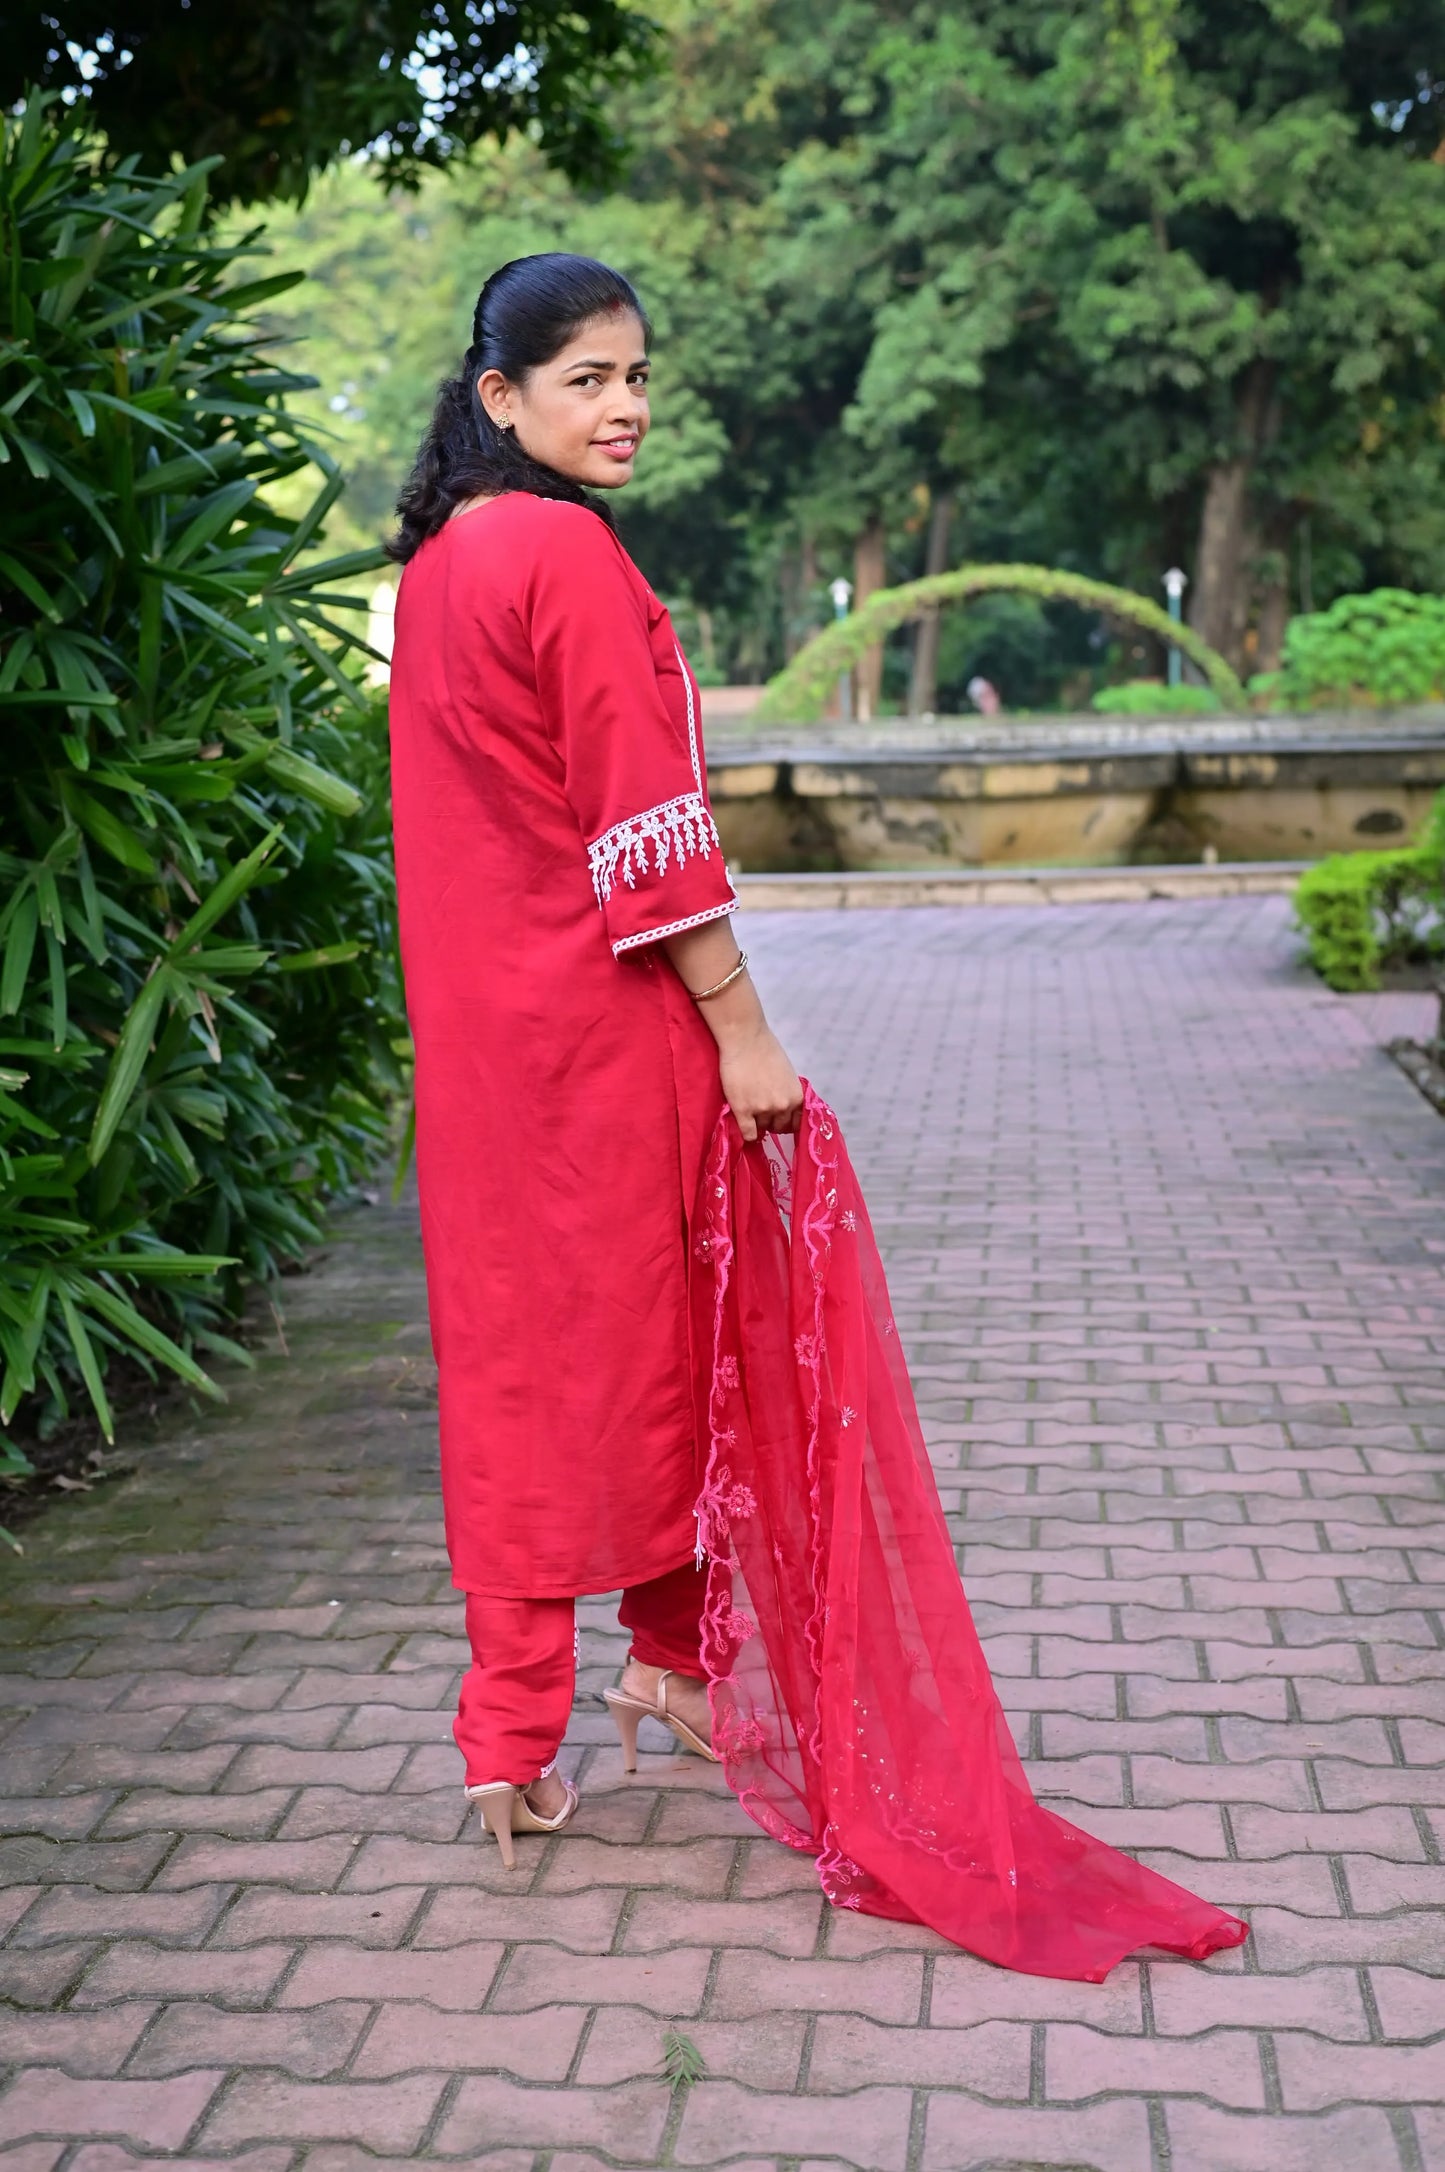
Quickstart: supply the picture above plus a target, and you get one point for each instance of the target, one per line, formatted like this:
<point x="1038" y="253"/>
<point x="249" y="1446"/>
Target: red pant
<point x="517" y="1693"/>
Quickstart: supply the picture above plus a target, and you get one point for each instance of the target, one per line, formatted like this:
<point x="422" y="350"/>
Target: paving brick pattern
<point x="1166" y="1240"/>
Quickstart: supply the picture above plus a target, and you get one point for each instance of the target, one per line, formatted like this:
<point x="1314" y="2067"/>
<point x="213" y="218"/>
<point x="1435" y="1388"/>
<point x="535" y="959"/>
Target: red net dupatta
<point x="852" y="1706"/>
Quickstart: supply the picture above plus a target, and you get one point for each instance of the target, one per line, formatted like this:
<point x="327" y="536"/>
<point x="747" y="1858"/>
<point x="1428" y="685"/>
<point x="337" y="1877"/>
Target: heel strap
<point x="662" y="1681"/>
<point x="494" y="1787"/>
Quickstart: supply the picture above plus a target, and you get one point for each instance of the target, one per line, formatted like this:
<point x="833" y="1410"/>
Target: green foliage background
<point x="1083" y="268"/>
<point x="273" y="92"/>
<point x="198" y="993"/>
<point x="1374" y="650"/>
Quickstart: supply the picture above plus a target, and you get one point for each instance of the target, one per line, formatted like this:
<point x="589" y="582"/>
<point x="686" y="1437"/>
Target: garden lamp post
<point x="1175" y="583"/>
<point x="841" y="592"/>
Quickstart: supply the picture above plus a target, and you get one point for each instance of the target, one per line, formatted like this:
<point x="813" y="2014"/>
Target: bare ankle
<point x="547" y="1794"/>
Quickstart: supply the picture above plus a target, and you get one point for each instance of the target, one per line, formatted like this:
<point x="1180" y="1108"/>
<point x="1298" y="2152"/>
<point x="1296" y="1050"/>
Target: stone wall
<point x="1073" y="792"/>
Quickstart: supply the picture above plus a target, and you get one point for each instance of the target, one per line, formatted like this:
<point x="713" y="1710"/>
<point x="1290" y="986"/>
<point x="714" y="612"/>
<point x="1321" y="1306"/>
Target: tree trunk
<point x="798" y="626"/>
<point x="923" y="683"/>
<point x="869" y="575"/>
<point x="1219" y="602"/>
<point x="1273" y="619"/>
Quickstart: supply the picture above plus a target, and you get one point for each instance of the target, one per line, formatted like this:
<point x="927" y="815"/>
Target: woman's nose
<point x="630" y="406"/>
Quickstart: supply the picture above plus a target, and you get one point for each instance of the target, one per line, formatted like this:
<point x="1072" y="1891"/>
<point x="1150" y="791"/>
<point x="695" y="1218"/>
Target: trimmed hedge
<point x="1367" y="651"/>
<point x="1362" y="911"/>
<point x="1141" y="697"/>
<point x="801" y="690"/>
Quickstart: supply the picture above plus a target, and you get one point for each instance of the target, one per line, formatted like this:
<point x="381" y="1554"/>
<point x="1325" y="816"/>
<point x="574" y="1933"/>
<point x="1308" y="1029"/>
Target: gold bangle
<point x="701" y="995"/>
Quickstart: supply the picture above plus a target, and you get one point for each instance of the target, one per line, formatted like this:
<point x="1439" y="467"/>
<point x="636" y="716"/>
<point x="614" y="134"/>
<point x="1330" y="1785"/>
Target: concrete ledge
<point x="1018" y="886"/>
<point x="1066" y="794"/>
<point x="734" y="738"/>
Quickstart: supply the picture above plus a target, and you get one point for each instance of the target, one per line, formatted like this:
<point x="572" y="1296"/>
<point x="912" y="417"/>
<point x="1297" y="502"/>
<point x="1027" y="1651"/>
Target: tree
<point x="1122" y="286"/>
<point x="278" y="91"/>
<point x="1205" y="242"/>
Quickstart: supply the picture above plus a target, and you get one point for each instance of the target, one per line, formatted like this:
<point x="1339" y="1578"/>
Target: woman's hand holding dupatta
<point x="759" y="1083"/>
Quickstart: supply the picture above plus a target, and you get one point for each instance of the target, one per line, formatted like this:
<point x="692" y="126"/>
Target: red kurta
<point x="552" y="822"/>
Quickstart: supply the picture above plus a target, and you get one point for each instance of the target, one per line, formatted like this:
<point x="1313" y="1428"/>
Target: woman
<point x="651" y="1336"/>
<point x="580" y="1007"/>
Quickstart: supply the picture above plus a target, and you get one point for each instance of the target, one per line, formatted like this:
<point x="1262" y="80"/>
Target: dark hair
<point x="526" y="313"/>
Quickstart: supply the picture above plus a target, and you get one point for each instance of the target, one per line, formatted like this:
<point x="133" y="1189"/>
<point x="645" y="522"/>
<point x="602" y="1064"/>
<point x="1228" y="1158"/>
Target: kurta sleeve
<point x="633" y="771"/>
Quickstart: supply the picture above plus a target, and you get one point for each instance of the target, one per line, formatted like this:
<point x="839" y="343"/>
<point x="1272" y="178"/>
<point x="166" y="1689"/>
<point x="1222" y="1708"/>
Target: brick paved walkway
<point x="1166" y="1240"/>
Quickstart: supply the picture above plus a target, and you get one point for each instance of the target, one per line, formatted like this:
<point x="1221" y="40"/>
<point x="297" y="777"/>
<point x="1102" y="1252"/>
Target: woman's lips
<point x="616" y="448"/>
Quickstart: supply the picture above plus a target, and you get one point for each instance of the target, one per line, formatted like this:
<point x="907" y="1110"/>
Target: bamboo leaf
<point x="181" y="472"/>
<point x="223" y="958"/>
<point x="59" y="996"/>
<point x="19" y="949"/>
<point x="232" y="886"/>
<point x="209" y="523"/>
<point x="128" y="1062"/>
<point x="29" y="587"/>
<point x="312" y="782"/>
<point x="109" y="832"/>
<point x="84" y="1350"/>
<point x="82" y="410"/>
<point x="308" y="580"/>
<point x="21" y="1349"/>
<point x="252" y="291"/>
<point x="145" y="1336"/>
<point x="25" y="1119"/>
<point x="32" y="454"/>
<point x="346" y="687"/>
<point x="307" y="961"/>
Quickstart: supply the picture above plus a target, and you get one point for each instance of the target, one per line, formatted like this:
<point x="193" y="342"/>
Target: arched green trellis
<point x="799" y="692"/>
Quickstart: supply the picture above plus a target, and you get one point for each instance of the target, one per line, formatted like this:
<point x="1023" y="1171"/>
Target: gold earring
<point x="504" y="422"/>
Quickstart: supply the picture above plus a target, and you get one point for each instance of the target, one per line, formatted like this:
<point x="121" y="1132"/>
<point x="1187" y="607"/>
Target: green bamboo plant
<point x="198" y="990"/>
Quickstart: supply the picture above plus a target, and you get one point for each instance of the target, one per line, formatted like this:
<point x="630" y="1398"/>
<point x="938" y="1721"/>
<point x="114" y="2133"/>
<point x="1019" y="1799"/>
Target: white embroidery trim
<point x="674" y="927"/>
<point x="673" y="827"/>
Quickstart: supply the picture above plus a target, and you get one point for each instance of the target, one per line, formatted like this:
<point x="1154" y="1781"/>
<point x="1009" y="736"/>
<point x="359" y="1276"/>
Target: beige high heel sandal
<point x="505" y="1810"/>
<point x="627" y="1712"/>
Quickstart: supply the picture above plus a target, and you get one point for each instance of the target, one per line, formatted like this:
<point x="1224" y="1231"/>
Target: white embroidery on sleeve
<point x="673" y="829"/>
<point x="674" y="927"/>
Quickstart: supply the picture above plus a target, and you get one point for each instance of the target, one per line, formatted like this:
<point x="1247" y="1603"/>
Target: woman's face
<point x="584" y="413"/>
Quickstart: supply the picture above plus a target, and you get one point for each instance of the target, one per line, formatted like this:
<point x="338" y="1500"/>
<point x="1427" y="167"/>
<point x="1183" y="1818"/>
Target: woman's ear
<point x="493" y="391"/>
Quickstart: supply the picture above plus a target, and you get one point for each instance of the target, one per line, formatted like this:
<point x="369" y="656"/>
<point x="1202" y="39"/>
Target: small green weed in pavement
<point x="682" y="2062"/>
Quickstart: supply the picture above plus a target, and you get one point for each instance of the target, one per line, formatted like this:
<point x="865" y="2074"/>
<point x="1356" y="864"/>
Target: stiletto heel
<point x="625" y="1718"/>
<point x="505" y="1810"/>
<point x="627" y="1711"/>
<point x="495" y="1805"/>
